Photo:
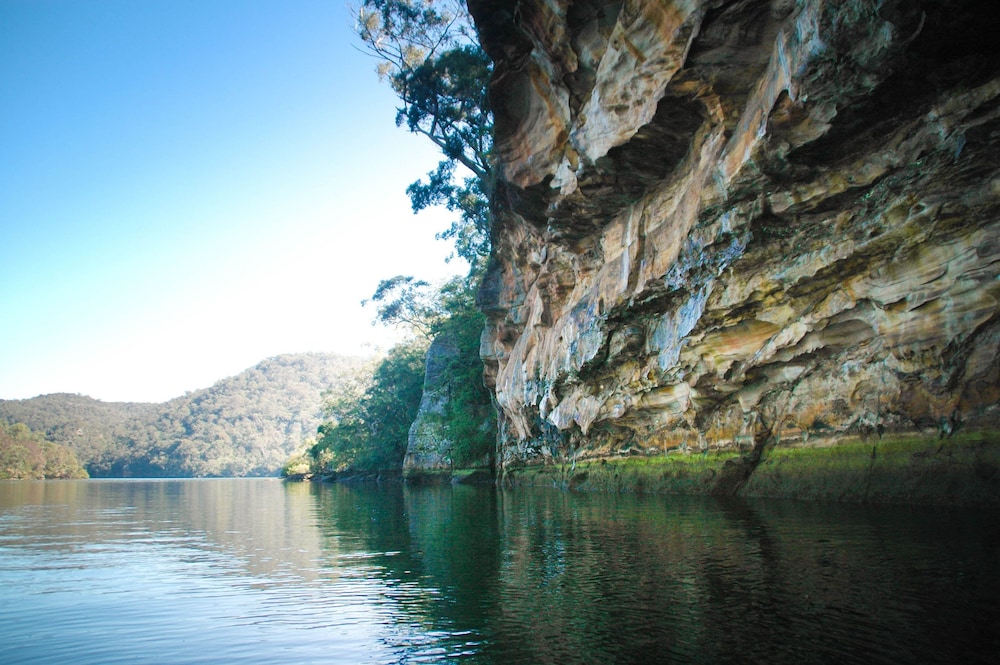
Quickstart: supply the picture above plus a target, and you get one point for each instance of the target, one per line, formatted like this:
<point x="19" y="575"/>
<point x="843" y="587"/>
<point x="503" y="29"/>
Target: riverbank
<point x="907" y="469"/>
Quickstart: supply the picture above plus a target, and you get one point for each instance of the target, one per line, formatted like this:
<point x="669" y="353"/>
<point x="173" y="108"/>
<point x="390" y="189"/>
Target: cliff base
<point x="916" y="468"/>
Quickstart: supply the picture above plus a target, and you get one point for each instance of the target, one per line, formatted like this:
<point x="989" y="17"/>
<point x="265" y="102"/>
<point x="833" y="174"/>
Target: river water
<point x="256" y="571"/>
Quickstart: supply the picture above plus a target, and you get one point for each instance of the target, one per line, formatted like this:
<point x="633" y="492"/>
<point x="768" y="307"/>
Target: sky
<point x="190" y="187"/>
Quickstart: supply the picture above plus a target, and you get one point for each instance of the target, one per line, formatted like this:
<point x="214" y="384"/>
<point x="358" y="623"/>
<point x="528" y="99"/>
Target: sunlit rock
<point x="716" y="218"/>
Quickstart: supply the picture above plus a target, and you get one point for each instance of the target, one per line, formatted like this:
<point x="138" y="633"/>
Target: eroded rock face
<point x="428" y="448"/>
<point x="722" y="219"/>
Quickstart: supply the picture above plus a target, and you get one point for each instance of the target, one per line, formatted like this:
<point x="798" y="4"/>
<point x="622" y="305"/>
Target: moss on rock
<point x="915" y="469"/>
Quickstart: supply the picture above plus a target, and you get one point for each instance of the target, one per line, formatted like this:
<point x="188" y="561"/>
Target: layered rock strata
<point x="720" y="224"/>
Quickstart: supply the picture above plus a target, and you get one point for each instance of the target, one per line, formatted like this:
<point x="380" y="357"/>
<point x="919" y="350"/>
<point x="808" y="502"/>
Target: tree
<point x="25" y="454"/>
<point x="429" y="53"/>
<point x="405" y="301"/>
<point x="469" y="417"/>
<point x="368" y="432"/>
<point x="368" y="421"/>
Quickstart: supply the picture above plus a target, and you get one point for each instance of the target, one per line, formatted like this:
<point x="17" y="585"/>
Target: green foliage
<point x="405" y="301"/>
<point x="368" y="422"/>
<point x="469" y="417"/>
<point x="429" y="52"/>
<point x="300" y="463"/>
<point x="470" y="234"/>
<point x="25" y="455"/>
<point x="247" y="424"/>
<point x="368" y="431"/>
<point x="107" y="438"/>
<point x="430" y="55"/>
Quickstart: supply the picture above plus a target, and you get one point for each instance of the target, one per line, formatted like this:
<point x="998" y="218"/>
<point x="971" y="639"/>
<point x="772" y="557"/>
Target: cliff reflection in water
<point x="546" y="576"/>
<point x="254" y="571"/>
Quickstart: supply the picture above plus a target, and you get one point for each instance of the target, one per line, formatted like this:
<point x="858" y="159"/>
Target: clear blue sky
<point x="189" y="187"/>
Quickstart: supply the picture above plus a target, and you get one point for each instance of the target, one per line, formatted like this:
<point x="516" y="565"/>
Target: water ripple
<point x="256" y="572"/>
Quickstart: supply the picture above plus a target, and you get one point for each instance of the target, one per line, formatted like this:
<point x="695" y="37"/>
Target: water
<point x="254" y="571"/>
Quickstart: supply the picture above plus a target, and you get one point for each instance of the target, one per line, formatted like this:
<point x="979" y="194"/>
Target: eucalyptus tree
<point x="429" y="54"/>
<point x="428" y="51"/>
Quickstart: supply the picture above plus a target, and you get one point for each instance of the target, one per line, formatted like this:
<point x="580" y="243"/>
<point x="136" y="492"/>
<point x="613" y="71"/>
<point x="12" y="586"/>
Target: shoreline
<point x="910" y="468"/>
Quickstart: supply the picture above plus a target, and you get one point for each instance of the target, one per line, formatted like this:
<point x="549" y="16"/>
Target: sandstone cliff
<point x="720" y="224"/>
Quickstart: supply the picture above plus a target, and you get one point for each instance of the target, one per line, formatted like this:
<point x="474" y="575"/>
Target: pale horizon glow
<point x="188" y="188"/>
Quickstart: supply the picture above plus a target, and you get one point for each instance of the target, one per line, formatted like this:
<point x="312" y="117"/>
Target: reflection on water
<point x="257" y="571"/>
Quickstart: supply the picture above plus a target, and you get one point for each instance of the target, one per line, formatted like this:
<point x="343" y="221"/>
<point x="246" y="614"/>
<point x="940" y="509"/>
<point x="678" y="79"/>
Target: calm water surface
<point x="254" y="571"/>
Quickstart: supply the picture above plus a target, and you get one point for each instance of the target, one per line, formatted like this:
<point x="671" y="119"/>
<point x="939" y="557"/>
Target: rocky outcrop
<point x="428" y="449"/>
<point x="723" y="223"/>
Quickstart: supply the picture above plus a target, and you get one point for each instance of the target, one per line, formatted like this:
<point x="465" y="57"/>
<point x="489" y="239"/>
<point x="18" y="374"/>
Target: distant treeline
<point x="245" y="425"/>
<point x="27" y="455"/>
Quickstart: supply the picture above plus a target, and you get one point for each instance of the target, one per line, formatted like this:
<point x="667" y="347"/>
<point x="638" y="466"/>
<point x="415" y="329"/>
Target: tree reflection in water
<point x="547" y="576"/>
<point x="256" y="571"/>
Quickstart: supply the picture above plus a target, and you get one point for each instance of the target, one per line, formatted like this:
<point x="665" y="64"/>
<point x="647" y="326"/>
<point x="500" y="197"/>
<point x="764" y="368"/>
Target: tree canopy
<point x="429" y="53"/>
<point x="25" y="454"/>
<point x="368" y="422"/>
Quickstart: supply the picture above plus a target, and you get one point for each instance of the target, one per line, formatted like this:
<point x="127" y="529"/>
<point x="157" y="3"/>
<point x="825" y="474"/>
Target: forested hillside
<point x="28" y="455"/>
<point x="247" y="424"/>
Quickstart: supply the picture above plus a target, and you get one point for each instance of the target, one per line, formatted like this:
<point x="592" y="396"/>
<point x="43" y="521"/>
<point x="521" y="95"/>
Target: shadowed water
<point x="254" y="571"/>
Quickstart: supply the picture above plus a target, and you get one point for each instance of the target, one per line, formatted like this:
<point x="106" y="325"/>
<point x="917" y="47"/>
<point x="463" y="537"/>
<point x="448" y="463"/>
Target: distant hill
<point x="25" y="454"/>
<point x="245" y="425"/>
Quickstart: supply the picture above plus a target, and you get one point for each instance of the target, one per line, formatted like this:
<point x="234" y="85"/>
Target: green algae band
<point x="964" y="469"/>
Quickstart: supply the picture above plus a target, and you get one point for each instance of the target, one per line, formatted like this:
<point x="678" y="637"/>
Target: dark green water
<point x="254" y="571"/>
